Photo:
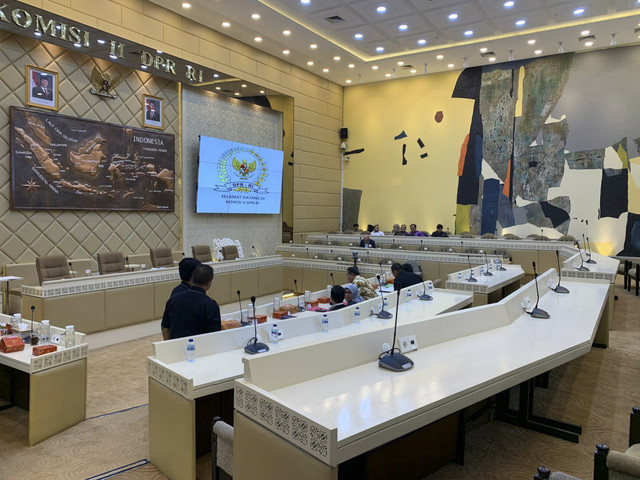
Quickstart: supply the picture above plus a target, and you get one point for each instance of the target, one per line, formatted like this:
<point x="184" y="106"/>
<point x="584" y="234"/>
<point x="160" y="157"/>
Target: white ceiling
<point x="548" y="22"/>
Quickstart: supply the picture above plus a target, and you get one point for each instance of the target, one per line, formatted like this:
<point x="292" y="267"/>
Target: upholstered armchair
<point x="161" y="257"/>
<point x="111" y="262"/>
<point x="201" y="253"/>
<point x="52" y="267"/>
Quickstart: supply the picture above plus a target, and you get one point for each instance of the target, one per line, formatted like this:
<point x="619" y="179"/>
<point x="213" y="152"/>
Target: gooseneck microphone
<point x="253" y="346"/>
<point x="537" y="312"/>
<point x="126" y="259"/>
<point x="300" y="307"/>
<point x="332" y="279"/>
<point x="71" y="270"/>
<point x="240" y="305"/>
<point x="499" y="268"/>
<point x="470" y="278"/>
<point x="589" y="259"/>
<point x="487" y="273"/>
<point x="425" y="296"/>
<point x="27" y="338"/>
<point x="383" y="313"/>
<point x="581" y="268"/>
<point x="392" y="359"/>
<point x="559" y="288"/>
<point x="255" y="252"/>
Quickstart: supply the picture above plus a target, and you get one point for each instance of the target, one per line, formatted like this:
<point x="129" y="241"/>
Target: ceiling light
<point x="358" y="36"/>
<point x="379" y="49"/>
<point x="77" y="45"/>
<point x="531" y="42"/>
<point x="262" y="92"/>
<point x="520" y="23"/>
<point x="483" y="49"/>
<point x="587" y="40"/>
<point x="159" y="52"/>
<point x="381" y="9"/>
<point x="255" y="16"/>
<point x="453" y="16"/>
<point x="492" y="59"/>
<point x="351" y="65"/>
<point x="144" y="67"/>
<point x="509" y="4"/>
<point x="388" y="75"/>
<point x="217" y="88"/>
<point x="37" y="34"/>
<point x="101" y="42"/>
<point x="305" y="2"/>
<point x="286" y="33"/>
<point x="244" y="85"/>
<point x="400" y="63"/>
<point x="403" y="28"/>
<point x="348" y="80"/>
<point x="468" y="33"/>
<point x="258" y="39"/>
<point x="325" y="70"/>
<point x="215" y="75"/>
<point x="113" y="57"/>
<point x="584" y="33"/>
<point x="588" y="43"/>
<point x="578" y="11"/>
<point x="422" y="41"/>
<point x="310" y="63"/>
<point x="186" y="5"/>
<point x="440" y="57"/>
<point x="237" y="94"/>
<point x="374" y="67"/>
<point x="286" y="52"/>
<point x="451" y="65"/>
<point x="413" y="70"/>
<point x="226" y="24"/>
<point x="313" y="46"/>
<point x="336" y="58"/>
<point x="537" y="52"/>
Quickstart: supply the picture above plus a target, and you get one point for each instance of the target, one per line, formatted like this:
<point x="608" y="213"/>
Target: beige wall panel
<point x="58" y="9"/>
<point x="307" y="116"/>
<point x="136" y="5"/>
<point x="430" y="271"/>
<point x="318" y="173"/>
<point x="270" y="280"/>
<point x="136" y="21"/>
<point x="323" y="186"/>
<point x="120" y="31"/>
<point x="313" y="280"/>
<point x="243" y="63"/>
<point x="334" y="96"/>
<point x="161" y="14"/>
<point x="314" y="225"/>
<point x="525" y="259"/>
<point x="280" y="65"/>
<point x="128" y="306"/>
<point x="161" y="293"/>
<point x="255" y="54"/>
<point x="306" y="198"/>
<point x="305" y="143"/>
<point x="246" y="282"/>
<point x="221" y="289"/>
<point x="227" y="42"/>
<point x="445" y="269"/>
<point x="199" y="30"/>
<point x="180" y="38"/>
<point x="267" y="73"/>
<point x="547" y="259"/>
<point x="84" y="311"/>
<point x="335" y="111"/>
<point x="109" y="11"/>
<point x="290" y="85"/>
<point x="289" y="274"/>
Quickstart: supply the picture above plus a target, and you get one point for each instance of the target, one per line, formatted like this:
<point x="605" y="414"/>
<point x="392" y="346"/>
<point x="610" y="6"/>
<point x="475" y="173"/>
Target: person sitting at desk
<point x="439" y="232"/>
<point x="415" y="232"/>
<point x="366" y="242"/>
<point x="192" y="312"/>
<point x="356" y="228"/>
<point x="351" y="294"/>
<point x="366" y="290"/>
<point x="337" y="298"/>
<point x="376" y="231"/>
<point x="403" y="277"/>
<point x="403" y="230"/>
<point x="395" y="229"/>
<point x="186" y="268"/>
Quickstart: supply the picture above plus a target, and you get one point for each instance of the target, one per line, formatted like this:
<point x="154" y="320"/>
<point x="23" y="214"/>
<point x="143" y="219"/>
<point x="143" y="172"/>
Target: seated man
<point x="402" y="231"/>
<point x="415" y="232"/>
<point x="337" y="297"/>
<point x="404" y="278"/>
<point x="439" y="232"/>
<point x="192" y="312"/>
<point x="366" y="290"/>
<point x="366" y="242"/>
<point x="376" y="231"/>
<point x="186" y="268"/>
<point x="395" y="229"/>
<point x="351" y="294"/>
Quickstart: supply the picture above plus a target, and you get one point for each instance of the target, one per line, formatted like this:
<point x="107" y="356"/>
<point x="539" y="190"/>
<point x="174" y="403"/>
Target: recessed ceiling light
<point x="351" y="65"/>
<point x="159" y="52"/>
<point x="484" y="50"/>
<point x="422" y="41"/>
<point x="144" y="67"/>
<point x="578" y="11"/>
<point x="531" y="42"/>
<point x="258" y="39"/>
<point x="237" y="94"/>
<point x="381" y="9"/>
<point x="404" y="27"/>
<point x="492" y="59"/>
<point x="388" y="75"/>
<point x="451" y="65"/>
<point x="379" y="49"/>
<point x="374" y="67"/>
<point x="226" y="24"/>
<point x="37" y="34"/>
<point x="588" y="43"/>
<point x="358" y="36"/>
<point x="286" y="33"/>
<point x="584" y="33"/>
<point x="325" y="70"/>
<point x="255" y="16"/>
<point x="217" y="88"/>
<point x="453" y="16"/>
<point x="101" y="42"/>
<point x="286" y="52"/>
<point x="468" y="33"/>
<point x="262" y="92"/>
<point x="348" y="80"/>
<point x="215" y="75"/>
<point x="400" y="63"/>
<point x="310" y="63"/>
<point x="77" y="45"/>
<point x="413" y="70"/>
<point x="186" y="5"/>
<point x="305" y="2"/>
<point x="244" y="85"/>
<point x="313" y="46"/>
<point x="520" y="23"/>
<point x="440" y="57"/>
<point x="509" y="4"/>
<point x="537" y="52"/>
<point x="336" y="58"/>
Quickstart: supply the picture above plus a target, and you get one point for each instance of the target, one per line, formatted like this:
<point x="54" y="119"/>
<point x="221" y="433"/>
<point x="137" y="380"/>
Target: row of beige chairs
<point x="57" y="267"/>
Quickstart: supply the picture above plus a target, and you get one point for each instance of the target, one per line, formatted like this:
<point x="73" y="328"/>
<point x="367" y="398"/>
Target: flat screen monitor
<point x="235" y="177"/>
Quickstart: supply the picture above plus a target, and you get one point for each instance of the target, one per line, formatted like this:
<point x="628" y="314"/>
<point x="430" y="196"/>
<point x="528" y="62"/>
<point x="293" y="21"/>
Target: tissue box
<point x="324" y="300"/>
<point x="11" y="344"/>
<point x="229" y="324"/>
<point x="42" y="349"/>
<point x="260" y="318"/>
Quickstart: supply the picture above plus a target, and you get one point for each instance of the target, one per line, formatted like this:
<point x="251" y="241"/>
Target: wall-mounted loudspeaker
<point x="344" y="133"/>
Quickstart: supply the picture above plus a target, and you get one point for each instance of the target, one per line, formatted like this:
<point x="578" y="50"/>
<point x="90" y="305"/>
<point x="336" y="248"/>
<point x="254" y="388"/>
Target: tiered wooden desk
<point x="311" y="411"/>
<point x="183" y="397"/>
<point x="52" y="387"/>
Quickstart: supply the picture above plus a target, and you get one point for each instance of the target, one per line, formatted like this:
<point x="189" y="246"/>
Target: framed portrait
<point x="152" y="112"/>
<point x="42" y="88"/>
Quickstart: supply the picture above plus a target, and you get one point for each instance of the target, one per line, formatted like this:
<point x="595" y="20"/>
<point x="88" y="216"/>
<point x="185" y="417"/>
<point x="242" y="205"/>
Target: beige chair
<point x="161" y="257"/>
<point x="201" y="253"/>
<point x="52" y="267"/>
<point x="221" y="450"/>
<point x="111" y="262"/>
<point x="230" y="252"/>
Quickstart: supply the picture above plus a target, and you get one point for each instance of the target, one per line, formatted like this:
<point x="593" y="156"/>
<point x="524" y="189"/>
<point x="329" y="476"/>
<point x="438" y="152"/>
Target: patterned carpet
<point x="596" y="391"/>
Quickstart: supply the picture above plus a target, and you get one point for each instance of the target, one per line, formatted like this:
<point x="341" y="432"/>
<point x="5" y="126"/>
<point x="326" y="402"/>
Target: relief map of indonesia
<point x="61" y="162"/>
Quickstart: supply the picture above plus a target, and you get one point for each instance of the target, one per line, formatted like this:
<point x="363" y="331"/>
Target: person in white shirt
<point x="376" y="231"/>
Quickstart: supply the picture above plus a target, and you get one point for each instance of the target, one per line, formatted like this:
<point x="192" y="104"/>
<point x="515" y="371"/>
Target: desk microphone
<point x="487" y="273"/>
<point x="425" y="296"/>
<point x="126" y="259"/>
<point x="71" y="270"/>
<point x="581" y="268"/>
<point x="253" y="346"/>
<point x="537" y="312"/>
<point x="300" y="307"/>
<point x="381" y="271"/>
<point x="240" y="305"/>
<point x="392" y="359"/>
<point x="255" y="252"/>
<point x="368" y="259"/>
<point x="328" y="242"/>
<point x="471" y="278"/>
<point x="27" y="338"/>
<point x="499" y="268"/>
<point x="589" y="260"/>
<point x="355" y="259"/>
<point x="559" y="288"/>
<point x="332" y="279"/>
<point x="383" y="313"/>
<point x="393" y="243"/>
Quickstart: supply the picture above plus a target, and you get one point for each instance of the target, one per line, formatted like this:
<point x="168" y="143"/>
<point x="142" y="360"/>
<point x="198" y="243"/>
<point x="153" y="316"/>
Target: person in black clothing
<point x="366" y="242"/>
<point x="186" y="267"/>
<point x="403" y="277"/>
<point x="337" y="297"/>
<point x="439" y="232"/>
<point x="192" y="312"/>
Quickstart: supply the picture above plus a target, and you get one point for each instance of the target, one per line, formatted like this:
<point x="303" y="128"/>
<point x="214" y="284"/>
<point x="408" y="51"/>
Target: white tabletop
<point x="604" y="268"/>
<point x="485" y="283"/>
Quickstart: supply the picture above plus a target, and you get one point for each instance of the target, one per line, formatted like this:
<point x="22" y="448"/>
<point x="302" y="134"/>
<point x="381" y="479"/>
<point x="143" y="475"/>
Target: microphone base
<point x="396" y="362"/>
<point x="472" y="279"/>
<point x="425" y="297"/>
<point x="582" y="268"/>
<point x="384" y="314"/>
<point x="539" y="313"/>
<point x="591" y="261"/>
<point x="301" y="308"/>
<point x="501" y="269"/>
<point x="256" y="347"/>
<point x="560" y="289"/>
<point x="488" y="274"/>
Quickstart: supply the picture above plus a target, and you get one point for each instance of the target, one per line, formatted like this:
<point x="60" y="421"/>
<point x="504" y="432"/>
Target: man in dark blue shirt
<point x="192" y="312"/>
<point x="337" y="297"/>
<point x="403" y="277"/>
<point x="186" y="268"/>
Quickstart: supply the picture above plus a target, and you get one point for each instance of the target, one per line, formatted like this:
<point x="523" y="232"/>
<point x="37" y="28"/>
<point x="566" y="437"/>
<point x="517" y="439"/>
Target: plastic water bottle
<point x="325" y="323"/>
<point x="274" y="333"/>
<point x="356" y="316"/>
<point x="191" y="351"/>
<point x="430" y="288"/>
<point x="459" y="276"/>
<point x="408" y="295"/>
<point x="481" y="269"/>
<point x="385" y="303"/>
<point x="45" y="331"/>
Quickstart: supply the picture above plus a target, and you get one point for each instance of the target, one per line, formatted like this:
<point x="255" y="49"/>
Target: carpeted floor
<point x="596" y="391"/>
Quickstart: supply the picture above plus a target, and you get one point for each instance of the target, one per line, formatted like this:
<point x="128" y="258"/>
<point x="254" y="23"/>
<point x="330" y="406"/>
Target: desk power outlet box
<point x="408" y="344"/>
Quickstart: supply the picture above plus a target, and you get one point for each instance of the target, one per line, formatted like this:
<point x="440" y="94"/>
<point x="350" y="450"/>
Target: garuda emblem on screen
<point x="242" y="169"/>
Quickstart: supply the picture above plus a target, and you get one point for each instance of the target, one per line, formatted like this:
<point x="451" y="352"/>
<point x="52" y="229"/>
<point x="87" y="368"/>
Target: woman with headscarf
<point x="351" y="294"/>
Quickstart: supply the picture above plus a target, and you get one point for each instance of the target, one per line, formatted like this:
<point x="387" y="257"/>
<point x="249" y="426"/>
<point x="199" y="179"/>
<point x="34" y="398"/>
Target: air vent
<point x="488" y="54"/>
<point x="334" y="19"/>
<point x="407" y="67"/>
